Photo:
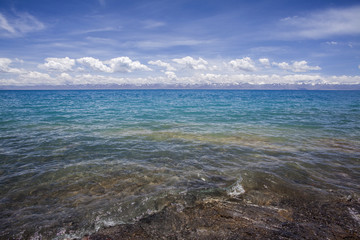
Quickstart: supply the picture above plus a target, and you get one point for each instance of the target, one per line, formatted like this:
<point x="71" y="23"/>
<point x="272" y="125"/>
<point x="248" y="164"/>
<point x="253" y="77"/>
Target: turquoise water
<point x="74" y="161"/>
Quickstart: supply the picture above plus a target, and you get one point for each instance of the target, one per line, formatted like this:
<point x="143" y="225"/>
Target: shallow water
<point x="72" y="162"/>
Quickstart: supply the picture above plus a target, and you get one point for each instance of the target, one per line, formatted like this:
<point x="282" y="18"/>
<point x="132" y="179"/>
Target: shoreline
<point x="242" y="218"/>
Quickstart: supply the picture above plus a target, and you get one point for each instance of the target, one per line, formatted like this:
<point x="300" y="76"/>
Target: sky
<point x="178" y="42"/>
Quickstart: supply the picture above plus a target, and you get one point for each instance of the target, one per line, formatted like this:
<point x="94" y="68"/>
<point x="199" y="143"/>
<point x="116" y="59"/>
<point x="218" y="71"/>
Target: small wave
<point x="101" y="223"/>
<point x="236" y="189"/>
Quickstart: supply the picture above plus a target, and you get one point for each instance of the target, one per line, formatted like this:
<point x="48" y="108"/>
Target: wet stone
<point x="237" y="219"/>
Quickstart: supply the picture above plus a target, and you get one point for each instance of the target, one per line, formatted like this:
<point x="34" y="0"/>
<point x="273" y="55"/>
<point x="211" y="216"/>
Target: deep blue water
<point x="74" y="161"/>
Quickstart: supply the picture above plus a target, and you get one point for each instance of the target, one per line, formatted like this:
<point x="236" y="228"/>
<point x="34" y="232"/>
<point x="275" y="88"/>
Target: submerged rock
<point x="240" y="219"/>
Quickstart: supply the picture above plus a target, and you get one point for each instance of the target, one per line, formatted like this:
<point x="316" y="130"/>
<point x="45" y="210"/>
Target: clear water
<point x="74" y="161"/>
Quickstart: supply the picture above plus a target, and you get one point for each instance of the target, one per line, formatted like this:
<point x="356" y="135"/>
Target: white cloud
<point x="91" y="79"/>
<point x="33" y="78"/>
<point x="5" y="68"/>
<point x="213" y="68"/>
<point x="165" y="65"/>
<point x="19" y="60"/>
<point x="258" y="79"/>
<point x="282" y="65"/>
<point x="96" y="30"/>
<point x="322" y="24"/>
<point x="95" y="64"/>
<point x="245" y="64"/>
<point x="65" y="76"/>
<point x="170" y="75"/>
<point x="125" y="64"/>
<point x="265" y="62"/>
<point x="58" y="64"/>
<point x="210" y="79"/>
<point x="4" y="24"/>
<point x="332" y="43"/>
<point x="119" y="64"/>
<point x="4" y="64"/>
<point x="36" y="75"/>
<point x="19" y="24"/>
<point x="359" y="66"/>
<point x="162" y="76"/>
<point x="344" y="79"/>
<point x="296" y="66"/>
<point x="192" y="63"/>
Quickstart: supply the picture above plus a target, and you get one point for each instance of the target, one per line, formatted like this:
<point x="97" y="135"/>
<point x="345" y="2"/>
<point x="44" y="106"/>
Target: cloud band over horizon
<point x="184" y="71"/>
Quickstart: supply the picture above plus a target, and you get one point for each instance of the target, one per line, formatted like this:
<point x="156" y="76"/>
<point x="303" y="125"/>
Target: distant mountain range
<point x="244" y="86"/>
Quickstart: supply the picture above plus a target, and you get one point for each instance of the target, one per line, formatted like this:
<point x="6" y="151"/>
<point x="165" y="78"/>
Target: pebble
<point x="348" y="198"/>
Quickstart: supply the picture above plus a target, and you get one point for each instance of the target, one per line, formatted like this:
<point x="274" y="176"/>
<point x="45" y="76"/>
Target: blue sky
<point x="179" y="42"/>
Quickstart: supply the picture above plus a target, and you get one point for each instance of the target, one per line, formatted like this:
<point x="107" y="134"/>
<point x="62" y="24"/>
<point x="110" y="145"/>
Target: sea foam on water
<point x="236" y="189"/>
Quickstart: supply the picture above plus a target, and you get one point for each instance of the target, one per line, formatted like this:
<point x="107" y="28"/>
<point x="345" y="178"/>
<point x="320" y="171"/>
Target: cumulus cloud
<point x="165" y="65"/>
<point x="125" y="64"/>
<point x="265" y="62"/>
<point x="65" y="76"/>
<point x="58" y="64"/>
<point x="170" y="75"/>
<point x="31" y="78"/>
<point x="296" y="66"/>
<point x="67" y="73"/>
<point x="192" y="63"/>
<point x="119" y="64"/>
<point x="322" y="24"/>
<point x="245" y="64"/>
<point x="95" y="64"/>
<point x="19" y="24"/>
<point x="36" y="75"/>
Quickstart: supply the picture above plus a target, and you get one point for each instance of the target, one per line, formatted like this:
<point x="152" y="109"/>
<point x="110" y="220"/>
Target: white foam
<point x="236" y="189"/>
<point x="354" y="214"/>
<point x="100" y="223"/>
